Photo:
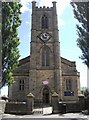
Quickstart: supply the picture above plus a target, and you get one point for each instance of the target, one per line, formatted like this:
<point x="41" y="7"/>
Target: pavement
<point x="43" y="113"/>
<point x="67" y="116"/>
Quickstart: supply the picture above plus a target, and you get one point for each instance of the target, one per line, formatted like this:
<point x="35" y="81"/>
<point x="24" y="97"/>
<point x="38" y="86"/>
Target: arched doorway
<point x="46" y="95"/>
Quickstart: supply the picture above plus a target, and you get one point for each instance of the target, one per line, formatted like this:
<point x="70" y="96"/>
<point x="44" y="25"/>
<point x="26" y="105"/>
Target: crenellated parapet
<point x="34" y="7"/>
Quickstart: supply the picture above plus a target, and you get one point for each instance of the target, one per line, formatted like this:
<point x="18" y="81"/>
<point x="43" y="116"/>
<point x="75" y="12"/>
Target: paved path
<point x="68" y="116"/>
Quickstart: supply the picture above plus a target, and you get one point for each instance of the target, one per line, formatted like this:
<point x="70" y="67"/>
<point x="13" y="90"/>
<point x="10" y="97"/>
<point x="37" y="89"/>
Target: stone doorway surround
<point x="46" y="95"/>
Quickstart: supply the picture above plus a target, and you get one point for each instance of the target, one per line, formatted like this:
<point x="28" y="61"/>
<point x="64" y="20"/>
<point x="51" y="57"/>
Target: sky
<point x="67" y="34"/>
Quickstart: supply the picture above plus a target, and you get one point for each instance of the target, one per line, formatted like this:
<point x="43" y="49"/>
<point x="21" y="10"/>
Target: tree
<point x="10" y="40"/>
<point x="81" y="13"/>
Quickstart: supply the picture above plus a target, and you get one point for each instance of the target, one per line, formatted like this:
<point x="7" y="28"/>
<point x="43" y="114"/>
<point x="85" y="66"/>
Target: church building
<point x="44" y="72"/>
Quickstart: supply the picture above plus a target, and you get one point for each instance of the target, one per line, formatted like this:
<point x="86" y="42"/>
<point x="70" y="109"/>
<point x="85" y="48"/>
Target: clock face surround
<point x="44" y="36"/>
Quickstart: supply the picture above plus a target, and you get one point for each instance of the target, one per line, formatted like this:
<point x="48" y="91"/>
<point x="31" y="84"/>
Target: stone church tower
<point x="45" y="71"/>
<point x="45" y="62"/>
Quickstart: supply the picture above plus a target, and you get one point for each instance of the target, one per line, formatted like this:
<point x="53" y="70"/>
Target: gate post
<point x="55" y="103"/>
<point x="30" y="103"/>
<point x="2" y="106"/>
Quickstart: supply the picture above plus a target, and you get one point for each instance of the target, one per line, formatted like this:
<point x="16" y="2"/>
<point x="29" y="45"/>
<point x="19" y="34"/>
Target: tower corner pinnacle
<point x="33" y="4"/>
<point x="54" y="3"/>
<point x="54" y="6"/>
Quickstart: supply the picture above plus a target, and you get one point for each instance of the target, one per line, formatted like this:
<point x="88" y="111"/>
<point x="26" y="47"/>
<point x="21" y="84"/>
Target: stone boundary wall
<point x="16" y="108"/>
<point x="74" y="107"/>
<point x="27" y="108"/>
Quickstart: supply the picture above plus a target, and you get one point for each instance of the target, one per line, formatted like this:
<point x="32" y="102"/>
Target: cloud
<point x="28" y="23"/>
<point x="61" y="4"/>
<point x="45" y="3"/>
<point x="25" y="5"/>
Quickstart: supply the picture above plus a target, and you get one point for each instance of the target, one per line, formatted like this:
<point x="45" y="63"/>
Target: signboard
<point x="45" y="82"/>
<point x="69" y="93"/>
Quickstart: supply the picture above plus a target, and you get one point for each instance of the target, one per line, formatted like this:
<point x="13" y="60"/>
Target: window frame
<point x="22" y="85"/>
<point x="68" y="85"/>
<point x="44" y="22"/>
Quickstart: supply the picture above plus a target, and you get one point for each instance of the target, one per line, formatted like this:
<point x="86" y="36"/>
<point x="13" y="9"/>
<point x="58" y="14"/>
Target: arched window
<point x="44" y="22"/>
<point x="45" y="56"/>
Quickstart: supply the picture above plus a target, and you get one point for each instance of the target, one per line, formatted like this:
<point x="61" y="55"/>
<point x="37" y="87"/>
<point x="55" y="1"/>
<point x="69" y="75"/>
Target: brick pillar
<point x="30" y="103"/>
<point x="55" y="104"/>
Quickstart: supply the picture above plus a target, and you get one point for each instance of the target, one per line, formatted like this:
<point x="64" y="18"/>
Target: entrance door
<point x="45" y="95"/>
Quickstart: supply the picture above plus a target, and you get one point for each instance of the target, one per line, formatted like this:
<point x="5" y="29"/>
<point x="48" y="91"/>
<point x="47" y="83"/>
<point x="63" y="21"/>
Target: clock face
<point x="44" y="36"/>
